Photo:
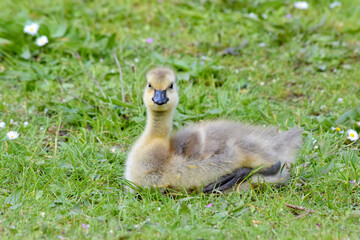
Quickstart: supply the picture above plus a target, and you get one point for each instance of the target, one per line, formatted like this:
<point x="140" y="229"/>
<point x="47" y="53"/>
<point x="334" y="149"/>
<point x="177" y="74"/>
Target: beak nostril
<point x="160" y="97"/>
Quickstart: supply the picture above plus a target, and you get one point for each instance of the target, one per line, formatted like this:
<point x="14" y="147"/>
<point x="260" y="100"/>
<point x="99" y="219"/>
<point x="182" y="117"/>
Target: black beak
<point x="160" y="97"/>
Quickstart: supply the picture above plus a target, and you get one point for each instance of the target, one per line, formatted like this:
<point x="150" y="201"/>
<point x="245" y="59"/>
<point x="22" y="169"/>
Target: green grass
<point x="64" y="171"/>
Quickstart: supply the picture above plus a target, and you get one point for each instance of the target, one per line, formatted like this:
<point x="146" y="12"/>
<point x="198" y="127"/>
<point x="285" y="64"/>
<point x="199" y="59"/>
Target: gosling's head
<point x="161" y="92"/>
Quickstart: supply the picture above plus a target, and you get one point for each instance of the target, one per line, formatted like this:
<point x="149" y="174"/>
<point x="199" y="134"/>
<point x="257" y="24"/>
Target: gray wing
<point x="187" y="143"/>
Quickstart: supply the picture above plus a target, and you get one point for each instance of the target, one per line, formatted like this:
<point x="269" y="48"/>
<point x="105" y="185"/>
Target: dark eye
<point x="149" y="85"/>
<point x="171" y="86"/>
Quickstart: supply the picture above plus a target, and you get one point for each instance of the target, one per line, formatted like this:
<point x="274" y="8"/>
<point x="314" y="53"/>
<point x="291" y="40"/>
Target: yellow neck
<point x="159" y="124"/>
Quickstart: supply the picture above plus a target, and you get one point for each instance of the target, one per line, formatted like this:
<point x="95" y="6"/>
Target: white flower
<point x="352" y="135"/>
<point x="12" y="135"/>
<point x="316" y="147"/>
<point x="301" y="5"/>
<point x="12" y="121"/>
<point x="26" y="124"/>
<point x="31" y="28"/>
<point x="41" y="41"/>
<point x="337" y="129"/>
<point x="335" y="4"/>
<point x="314" y="141"/>
<point x="2" y="124"/>
<point x="136" y="60"/>
<point x="340" y="100"/>
<point x="42" y="214"/>
<point x="262" y="44"/>
<point x="113" y="149"/>
<point x="253" y="15"/>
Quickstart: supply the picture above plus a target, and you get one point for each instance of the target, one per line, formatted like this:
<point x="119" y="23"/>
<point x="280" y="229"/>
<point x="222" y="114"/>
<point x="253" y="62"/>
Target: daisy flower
<point x="31" y="28"/>
<point x="335" y="129"/>
<point x="12" y="135"/>
<point x="2" y="124"/>
<point x="301" y="5"/>
<point x="41" y="41"/>
<point x="352" y="135"/>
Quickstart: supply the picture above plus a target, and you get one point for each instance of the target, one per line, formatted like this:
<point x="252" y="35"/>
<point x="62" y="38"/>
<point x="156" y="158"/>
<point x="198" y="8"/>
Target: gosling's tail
<point x="285" y="147"/>
<point x="287" y="144"/>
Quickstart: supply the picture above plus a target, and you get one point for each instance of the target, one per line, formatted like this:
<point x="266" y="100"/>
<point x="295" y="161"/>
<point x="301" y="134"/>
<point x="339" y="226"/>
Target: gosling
<point x="208" y="156"/>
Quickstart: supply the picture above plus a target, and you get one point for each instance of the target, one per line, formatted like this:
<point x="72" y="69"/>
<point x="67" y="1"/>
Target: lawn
<point x="259" y="62"/>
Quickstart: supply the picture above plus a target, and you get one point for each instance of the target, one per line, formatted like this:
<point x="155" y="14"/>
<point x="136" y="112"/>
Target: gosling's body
<point x="199" y="155"/>
<point x="220" y="147"/>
